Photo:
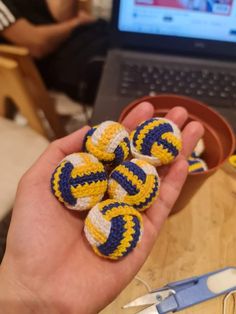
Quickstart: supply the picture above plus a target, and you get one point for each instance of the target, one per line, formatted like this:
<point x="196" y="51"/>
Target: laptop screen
<point x="201" y="19"/>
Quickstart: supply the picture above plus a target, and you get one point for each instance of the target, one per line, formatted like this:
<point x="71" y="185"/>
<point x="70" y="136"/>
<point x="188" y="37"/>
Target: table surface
<point x="199" y="239"/>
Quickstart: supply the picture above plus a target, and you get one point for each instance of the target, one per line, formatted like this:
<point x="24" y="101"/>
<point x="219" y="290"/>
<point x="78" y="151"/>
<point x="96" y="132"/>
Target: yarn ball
<point x="199" y="149"/>
<point x="158" y="141"/>
<point x="79" y="182"/>
<point x="109" y="142"/>
<point x="232" y="161"/>
<point x="113" y="229"/>
<point x="196" y="165"/>
<point x="134" y="182"/>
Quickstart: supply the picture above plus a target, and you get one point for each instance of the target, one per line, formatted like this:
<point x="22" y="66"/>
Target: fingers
<point x="171" y="186"/>
<point x="142" y="112"/>
<point x="59" y="149"/>
<point x="178" y="115"/>
<point x="175" y="175"/>
<point x="190" y="136"/>
<point x="145" y="111"/>
<point x="192" y="132"/>
<point x="73" y="142"/>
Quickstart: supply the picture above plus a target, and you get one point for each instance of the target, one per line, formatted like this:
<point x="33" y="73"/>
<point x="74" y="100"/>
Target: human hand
<point x="49" y="266"/>
<point x="85" y="18"/>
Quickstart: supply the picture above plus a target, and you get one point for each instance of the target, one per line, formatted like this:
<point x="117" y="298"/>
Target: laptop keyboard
<point x="215" y="87"/>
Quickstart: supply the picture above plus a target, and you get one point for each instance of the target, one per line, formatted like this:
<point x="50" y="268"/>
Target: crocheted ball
<point x="109" y="142"/>
<point x="79" y="181"/>
<point x="232" y="161"/>
<point x="134" y="182"/>
<point x="157" y="141"/>
<point x="113" y="229"/>
<point x="196" y="165"/>
<point x="199" y="149"/>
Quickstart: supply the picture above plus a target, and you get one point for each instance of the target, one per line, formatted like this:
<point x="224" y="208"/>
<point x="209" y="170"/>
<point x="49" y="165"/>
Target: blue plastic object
<point x="189" y="292"/>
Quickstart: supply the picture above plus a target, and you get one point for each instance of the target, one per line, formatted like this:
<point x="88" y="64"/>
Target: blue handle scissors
<point x="177" y="296"/>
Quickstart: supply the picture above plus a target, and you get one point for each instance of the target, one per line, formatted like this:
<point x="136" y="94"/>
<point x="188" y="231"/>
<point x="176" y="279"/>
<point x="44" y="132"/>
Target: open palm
<point x="48" y="260"/>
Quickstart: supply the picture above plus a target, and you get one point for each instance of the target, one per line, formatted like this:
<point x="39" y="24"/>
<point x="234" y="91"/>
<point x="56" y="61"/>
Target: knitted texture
<point x="134" y="182"/>
<point x="196" y="165"/>
<point x="79" y="181"/>
<point x="199" y="149"/>
<point x="158" y="141"/>
<point x="113" y="229"/>
<point x="232" y="160"/>
<point x="109" y="142"/>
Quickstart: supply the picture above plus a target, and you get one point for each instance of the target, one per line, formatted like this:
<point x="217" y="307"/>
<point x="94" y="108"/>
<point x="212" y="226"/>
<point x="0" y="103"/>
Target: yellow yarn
<point x="109" y="142"/>
<point x="113" y="229"/>
<point x="79" y="181"/>
<point x="158" y="141"/>
<point x="134" y="182"/>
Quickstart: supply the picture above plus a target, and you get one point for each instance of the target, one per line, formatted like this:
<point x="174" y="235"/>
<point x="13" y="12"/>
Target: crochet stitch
<point x="113" y="229"/>
<point x="199" y="149"/>
<point x="196" y="165"/>
<point x="134" y="182"/>
<point x="109" y="142"/>
<point x="157" y="140"/>
<point x="79" y="182"/>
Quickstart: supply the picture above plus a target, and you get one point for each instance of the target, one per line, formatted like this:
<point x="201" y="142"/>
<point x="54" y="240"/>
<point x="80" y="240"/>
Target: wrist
<point x="15" y="298"/>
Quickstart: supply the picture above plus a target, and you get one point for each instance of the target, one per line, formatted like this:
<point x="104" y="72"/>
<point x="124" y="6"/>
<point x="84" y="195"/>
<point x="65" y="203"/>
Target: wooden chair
<point x="20" y="82"/>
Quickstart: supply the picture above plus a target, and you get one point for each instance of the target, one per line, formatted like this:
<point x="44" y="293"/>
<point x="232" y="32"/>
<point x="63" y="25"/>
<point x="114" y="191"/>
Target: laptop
<point x="185" y="47"/>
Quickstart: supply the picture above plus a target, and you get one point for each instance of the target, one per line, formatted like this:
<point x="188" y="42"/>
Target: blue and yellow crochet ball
<point x="158" y="141"/>
<point x="109" y="142"/>
<point x="134" y="182"/>
<point x="113" y="229"/>
<point x="196" y="165"/>
<point x="79" y="182"/>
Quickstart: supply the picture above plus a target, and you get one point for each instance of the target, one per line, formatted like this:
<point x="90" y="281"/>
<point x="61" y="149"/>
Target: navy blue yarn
<point x="119" y="155"/>
<point x="169" y="146"/>
<point x="198" y="170"/>
<point x="115" y="237"/>
<point x="136" y="235"/>
<point x="93" y="177"/>
<point x="64" y="185"/>
<point x="192" y="162"/>
<point x="124" y="182"/>
<point x="87" y="135"/>
<point x="127" y="141"/>
<point x="153" y="136"/>
<point x="140" y="128"/>
<point x="150" y="197"/>
<point x="112" y="205"/>
<point x="52" y="180"/>
<point x="136" y="170"/>
<point x="193" y="155"/>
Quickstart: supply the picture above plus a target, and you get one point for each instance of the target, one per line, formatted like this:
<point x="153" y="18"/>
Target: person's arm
<point x="40" y="40"/>
<point x="63" y="10"/>
<point x="49" y="267"/>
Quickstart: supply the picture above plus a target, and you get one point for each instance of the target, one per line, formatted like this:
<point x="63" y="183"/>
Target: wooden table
<point x="199" y="239"/>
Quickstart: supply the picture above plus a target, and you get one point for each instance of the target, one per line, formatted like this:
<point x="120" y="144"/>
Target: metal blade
<point x="147" y="299"/>
<point x="150" y="298"/>
<point x="149" y="310"/>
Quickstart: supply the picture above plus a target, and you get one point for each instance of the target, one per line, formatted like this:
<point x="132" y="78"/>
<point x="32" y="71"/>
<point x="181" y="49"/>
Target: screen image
<point x="201" y="19"/>
<point x="214" y="6"/>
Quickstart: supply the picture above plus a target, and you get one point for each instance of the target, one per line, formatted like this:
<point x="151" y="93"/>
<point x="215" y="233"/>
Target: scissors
<point x="177" y="296"/>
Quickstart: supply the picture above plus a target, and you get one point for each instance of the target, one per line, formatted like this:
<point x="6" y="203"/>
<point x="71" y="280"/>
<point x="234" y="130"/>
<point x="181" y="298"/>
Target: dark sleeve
<point x="8" y="14"/>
